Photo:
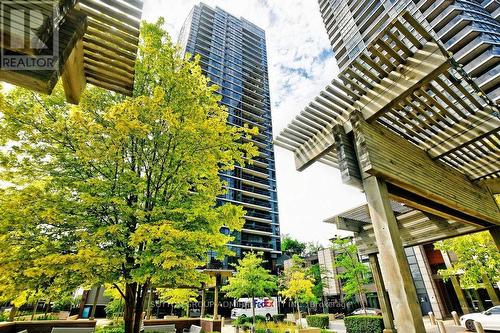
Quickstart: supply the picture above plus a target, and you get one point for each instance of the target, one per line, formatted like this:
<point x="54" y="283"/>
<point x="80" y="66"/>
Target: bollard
<point x="441" y="327"/>
<point x="456" y="319"/>
<point x="432" y="318"/>
<point x="479" y="327"/>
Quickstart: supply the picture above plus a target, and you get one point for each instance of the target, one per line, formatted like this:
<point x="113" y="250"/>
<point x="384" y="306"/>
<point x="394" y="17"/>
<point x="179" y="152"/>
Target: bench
<point x="72" y="330"/>
<point x="170" y="328"/>
<point x="192" y="329"/>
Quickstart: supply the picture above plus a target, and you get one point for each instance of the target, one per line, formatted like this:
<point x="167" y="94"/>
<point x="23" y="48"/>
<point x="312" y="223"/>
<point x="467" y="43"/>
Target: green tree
<point x="316" y="273"/>
<point x="292" y="246"/>
<point x="354" y="274"/>
<point x="250" y="280"/>
<point x="117" y="190"/>
<point x="180" y="297"/>
<point x="478" y="259"/>
<point x="297" y="283"/>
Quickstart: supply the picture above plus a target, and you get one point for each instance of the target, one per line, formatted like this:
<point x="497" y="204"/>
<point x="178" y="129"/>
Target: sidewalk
<point x="339" y="327"/>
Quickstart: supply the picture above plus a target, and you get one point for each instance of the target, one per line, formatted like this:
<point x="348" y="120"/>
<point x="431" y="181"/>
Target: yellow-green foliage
<point x="297" y="282"/>
<point x="117" y="190"/>
<point x="478" y="257"/>
<point x="180" y="297"/>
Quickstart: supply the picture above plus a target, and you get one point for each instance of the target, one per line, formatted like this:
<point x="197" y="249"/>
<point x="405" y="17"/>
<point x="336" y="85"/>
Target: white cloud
<point x="300" y="65"/>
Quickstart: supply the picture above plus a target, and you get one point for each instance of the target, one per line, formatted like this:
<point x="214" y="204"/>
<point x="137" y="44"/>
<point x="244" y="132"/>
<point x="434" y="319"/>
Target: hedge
<point x="320" y="321"/>
<point x="364" y="324"/>
<point x="278" y="317"/>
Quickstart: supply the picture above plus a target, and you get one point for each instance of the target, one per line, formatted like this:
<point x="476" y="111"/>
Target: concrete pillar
<point x="456" y="318"/>
<point x="203" y="301"/>
<point x="495" y="234"/>
<point x="216" y="298"/>
<point x="393" y="262"/>
<point x="432" y="318"/>
<point x="441" y="327"/>
<point x="479" y="327"/>
<point x="456" y="286"/>
<point x="383" y="298"/>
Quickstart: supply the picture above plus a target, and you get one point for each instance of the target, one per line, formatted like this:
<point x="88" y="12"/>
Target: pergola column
<point x="383" y="297"/>
<point x="94" y="304"/>
<point x="495" y="234"/>
<point x="203" y="301"/>
<point x="490" y="290"/>
<point x="393" y="262"/>
<point x="216" y="298"/>
<point x="456" y="285"/>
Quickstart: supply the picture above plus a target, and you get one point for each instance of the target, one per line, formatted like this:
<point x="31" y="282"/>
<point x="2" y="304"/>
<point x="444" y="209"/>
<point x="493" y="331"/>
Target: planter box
<point x="43" y="326"/>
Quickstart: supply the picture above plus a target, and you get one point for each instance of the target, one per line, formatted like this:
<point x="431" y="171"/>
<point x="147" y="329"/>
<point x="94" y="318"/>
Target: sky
<point x="300" y="65"/>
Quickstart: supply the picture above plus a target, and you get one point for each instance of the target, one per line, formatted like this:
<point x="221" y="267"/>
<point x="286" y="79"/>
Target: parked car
<point x="366" y="311"/>
<point x="489" y="319"/>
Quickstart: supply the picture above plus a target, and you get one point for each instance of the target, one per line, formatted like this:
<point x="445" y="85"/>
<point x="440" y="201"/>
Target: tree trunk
<point x="12" y="314"/>
<point x="129" y="309"/>
<point x="34" y="310"/>
<point x="47" y="306"/>
<point x="299" y="324"/>
<point x="139" y="306"/>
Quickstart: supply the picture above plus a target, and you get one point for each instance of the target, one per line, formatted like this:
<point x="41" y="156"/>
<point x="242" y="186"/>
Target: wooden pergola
<point x="415" y="228"/>
<point x="405" y="123"/>
<point x="217" y="274"/>
<point x="92" y="41"/>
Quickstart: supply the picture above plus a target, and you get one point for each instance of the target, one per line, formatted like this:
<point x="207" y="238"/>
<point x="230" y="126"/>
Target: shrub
<point x="278" y="317"/>
<point x="47" y="317"/>
<point x="114" y="308"/>
<point x="4" y="316"/>
<point x="363" y="324"/>
<point x="319" y="320"/>
<point x="259" y="319"/>
<point x="110" y="329"/>
<point x="241" y="320"/>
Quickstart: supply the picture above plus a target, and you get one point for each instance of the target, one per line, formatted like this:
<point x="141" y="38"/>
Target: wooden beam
<point x="418" y="70"/>
<point x="493" y="184"/>
<point x="348" y="162"/>
<point x="385" y="154"/>
<point x="343" y="223"/>
<point x="393" y="263"/>
<point x="73" y="75"/>
<point x="415" y="228"/>
<point x="495" y="234"/>
<point x="314" y="148"/>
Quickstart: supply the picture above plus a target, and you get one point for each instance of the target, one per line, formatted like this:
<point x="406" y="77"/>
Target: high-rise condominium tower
<point x="233" y="55"/>
<point x="469" y="29"/>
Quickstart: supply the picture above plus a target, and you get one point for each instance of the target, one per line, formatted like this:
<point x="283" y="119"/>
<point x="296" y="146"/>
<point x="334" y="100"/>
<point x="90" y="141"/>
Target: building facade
<point x="233" y="55"/>
<point x="332" y="285"/>
<point x="470" y="30"/>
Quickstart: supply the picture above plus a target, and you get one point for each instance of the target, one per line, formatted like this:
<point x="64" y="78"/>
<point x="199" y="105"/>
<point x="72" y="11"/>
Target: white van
<point x="267" y="307"/>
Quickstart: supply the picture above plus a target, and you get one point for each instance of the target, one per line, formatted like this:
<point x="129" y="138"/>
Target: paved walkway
<point x="339" y="327"/>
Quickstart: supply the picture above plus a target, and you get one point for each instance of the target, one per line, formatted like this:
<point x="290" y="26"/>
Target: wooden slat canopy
<point x="408" y="83"/>
<point x="416" y="227"/>
<point x="97" y="43"/>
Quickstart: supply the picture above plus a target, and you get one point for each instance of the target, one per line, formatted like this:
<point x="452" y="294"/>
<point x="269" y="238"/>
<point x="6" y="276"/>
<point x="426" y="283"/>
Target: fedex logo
<point x="266" y="303"/>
